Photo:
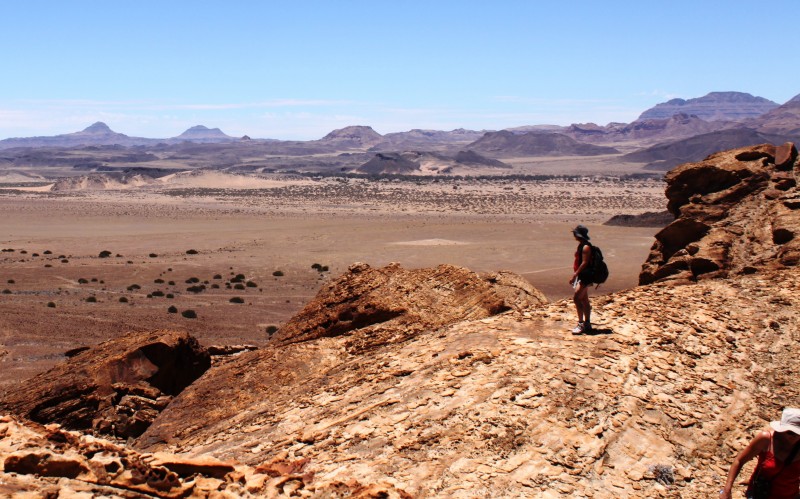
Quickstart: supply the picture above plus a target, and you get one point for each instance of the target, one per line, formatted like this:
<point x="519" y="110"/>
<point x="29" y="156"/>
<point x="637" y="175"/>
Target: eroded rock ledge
<point x="736" y="212"/>
<point x="116" y="388"/>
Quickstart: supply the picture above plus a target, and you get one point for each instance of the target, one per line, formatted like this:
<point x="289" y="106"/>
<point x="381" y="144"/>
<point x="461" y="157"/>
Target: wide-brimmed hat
<point x="790" y="421"/>
<point x="581" y="232"/>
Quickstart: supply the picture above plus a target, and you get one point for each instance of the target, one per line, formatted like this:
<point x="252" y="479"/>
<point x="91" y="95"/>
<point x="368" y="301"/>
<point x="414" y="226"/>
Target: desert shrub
<point x="324" y="268"/>
<point x="217" y="276"/>
<point x="64" y="261"/>
<point x="91" y="299"/>
<point x="122" y="299"/>
<point x="189" y="314"/>
<point x="170" y="296"/>
<point x="62" y="256"/>
<point x="215" y="286"/>
<point x="47" y="252"/>
<point x="104" y="254"/>
<point x="23" y="252"/>
<point x="47" y="265"/>
<point x="271" y="330"/>
<point x="133" y="287"/>
<point x="192" y="280"/>
<point x="159" y="281"/>
<point x="6" y="291"/>
<point x="251" y="284"/>
<point x="196" y="289"/>
<point x="238" y="285"/>
<point x="237" y="299"/>
<point x="191" y="252"/>
<point x="238" y="278"/>
<point x="35" y="254"/>
<point x="316" y="266"/>
<point x="157" y="292"/>
<point x="152" y="255"/>
<point x="51" y="304"/>
<point x="129" y="262"/>
<point x="171" y="283"/>
<point x="278" y="273"/>
<point x="11" y="281"/>
<point x="94" y="279"/>
<point x="82" y="281"/>
<point x="172" y="309"/>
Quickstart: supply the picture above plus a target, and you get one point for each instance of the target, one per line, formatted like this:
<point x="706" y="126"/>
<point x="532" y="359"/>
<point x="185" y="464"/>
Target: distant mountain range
<point x="663" y="136"/>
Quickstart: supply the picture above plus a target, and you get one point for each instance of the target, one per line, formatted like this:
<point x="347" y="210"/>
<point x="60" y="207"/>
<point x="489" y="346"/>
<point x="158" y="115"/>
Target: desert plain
<point x="245" y="253"/>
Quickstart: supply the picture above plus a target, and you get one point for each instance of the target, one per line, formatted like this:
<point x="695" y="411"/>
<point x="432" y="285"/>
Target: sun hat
<point x="581" y="232"/>
<point x="790" y="421"/>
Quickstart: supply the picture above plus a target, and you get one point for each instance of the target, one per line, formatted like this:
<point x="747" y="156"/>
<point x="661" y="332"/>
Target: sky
<point x="297" y="70"/>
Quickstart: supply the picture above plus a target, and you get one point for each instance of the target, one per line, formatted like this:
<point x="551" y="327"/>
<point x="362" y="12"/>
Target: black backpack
<point x="599" y="267"/>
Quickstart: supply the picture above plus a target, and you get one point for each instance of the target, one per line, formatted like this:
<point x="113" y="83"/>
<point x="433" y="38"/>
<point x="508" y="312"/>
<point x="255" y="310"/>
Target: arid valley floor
<point x="59" y="294"/>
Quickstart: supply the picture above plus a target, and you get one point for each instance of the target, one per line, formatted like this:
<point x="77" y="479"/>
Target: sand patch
<point x="431" y="242"/>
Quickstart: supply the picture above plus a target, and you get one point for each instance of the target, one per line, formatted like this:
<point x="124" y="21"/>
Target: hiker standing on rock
<point x="778" y="461"/>
<point x="582" y="279"/>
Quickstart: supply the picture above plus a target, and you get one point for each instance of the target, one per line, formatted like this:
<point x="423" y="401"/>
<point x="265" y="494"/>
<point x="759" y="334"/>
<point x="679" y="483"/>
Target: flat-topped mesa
<point x="735" y="212"/>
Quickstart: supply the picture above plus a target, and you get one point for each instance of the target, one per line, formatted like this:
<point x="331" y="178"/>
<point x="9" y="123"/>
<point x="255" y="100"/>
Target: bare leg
<point x="582" y="304"/>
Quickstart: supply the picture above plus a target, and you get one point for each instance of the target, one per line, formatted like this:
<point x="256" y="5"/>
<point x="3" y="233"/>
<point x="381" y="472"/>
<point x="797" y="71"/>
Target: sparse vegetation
<point x="82" y="281"/>
<point x="191" y="252"/>
<point x="272" y="330"/>
<point x="238" y="285"/>
<point x="172" y="309"/>
<point x="159" y="281"/>
<point x="192" y="280"/>
<point x="91" y="299"/>
<point x="133" y="287"/>
<point x="122" y="299"/>
<point x="251" y="284"/>
<point x="11" y="281"/>
<point x="237" y="299"/>
<point x="6" y="291"/>
<point x="153" y="255"/>
<point x="104" y="254"/>
<point x="51" y="304"/>
<point x="278" y="273"/>
<point x="189" y="314"/>
<point x="196" y="289"/>
<point x="157" y="292"/>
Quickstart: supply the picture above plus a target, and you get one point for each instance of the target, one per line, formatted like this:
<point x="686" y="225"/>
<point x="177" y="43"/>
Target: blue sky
<point x="297" y="70"/>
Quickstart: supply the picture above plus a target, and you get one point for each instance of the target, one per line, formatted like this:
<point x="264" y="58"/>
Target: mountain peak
<point x="200" y="132"/>
<point x="98" y="128"/>
<point x="713" y="106"/>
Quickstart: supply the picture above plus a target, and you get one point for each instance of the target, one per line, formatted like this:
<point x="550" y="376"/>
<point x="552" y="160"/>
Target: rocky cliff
<point x="736" y="212"/>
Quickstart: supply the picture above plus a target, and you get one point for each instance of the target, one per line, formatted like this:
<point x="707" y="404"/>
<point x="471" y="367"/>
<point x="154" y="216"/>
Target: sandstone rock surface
<point x="736" y="211"/>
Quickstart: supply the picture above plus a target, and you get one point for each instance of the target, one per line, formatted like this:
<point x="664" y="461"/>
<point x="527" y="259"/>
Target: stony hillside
<point x="509" y="144"/>
<point x="443" y="383"/>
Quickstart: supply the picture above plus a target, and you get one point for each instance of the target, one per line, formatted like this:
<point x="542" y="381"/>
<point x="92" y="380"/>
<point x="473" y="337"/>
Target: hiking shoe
<point x="578" y="329"/>
<point x="587" y="328"/>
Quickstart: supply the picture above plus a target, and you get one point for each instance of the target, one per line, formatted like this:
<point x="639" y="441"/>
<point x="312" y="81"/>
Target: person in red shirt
<point x="778" y="459"/>
<point x="582" y="279"/>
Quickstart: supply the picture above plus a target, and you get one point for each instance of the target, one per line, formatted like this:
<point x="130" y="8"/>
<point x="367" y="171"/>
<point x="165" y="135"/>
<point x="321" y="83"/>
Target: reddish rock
<point x="735" y="211"/>
<point x="116" y="388"/>
<point x="785" y="156"/>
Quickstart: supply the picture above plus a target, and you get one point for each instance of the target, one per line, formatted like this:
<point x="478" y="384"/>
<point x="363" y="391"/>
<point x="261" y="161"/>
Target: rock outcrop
<point x="390" y="304"/>
<point x="116" y="388"/>
<point x="509" y="144"/>
<point x="736" y="212"/>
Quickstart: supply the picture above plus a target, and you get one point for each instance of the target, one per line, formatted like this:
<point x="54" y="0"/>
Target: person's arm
<point x="753" y="449"/>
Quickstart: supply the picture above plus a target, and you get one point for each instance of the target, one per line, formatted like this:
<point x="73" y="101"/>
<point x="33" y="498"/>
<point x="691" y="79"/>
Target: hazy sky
<point x="299" y="69"/>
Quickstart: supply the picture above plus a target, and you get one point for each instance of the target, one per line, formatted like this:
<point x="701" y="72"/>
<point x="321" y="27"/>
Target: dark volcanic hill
<point x="726" y="106"/>
<point x="509" y="144"/>
<point x="353" y="137"/>
<point x="201" y="133"/>
<point x="668" y="155"/>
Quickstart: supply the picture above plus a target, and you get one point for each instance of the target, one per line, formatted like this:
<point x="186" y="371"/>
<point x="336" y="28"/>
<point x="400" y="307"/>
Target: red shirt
<point x="786" y="482"/>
